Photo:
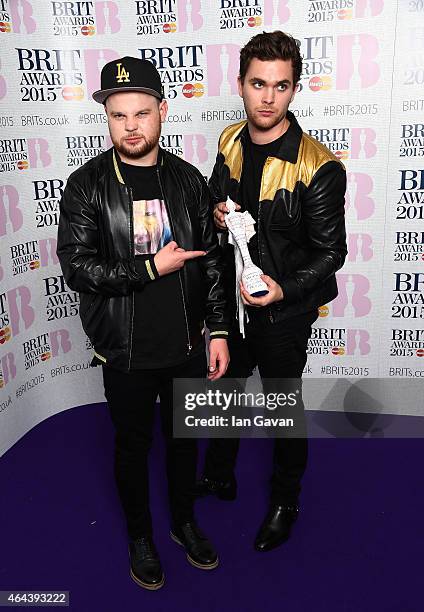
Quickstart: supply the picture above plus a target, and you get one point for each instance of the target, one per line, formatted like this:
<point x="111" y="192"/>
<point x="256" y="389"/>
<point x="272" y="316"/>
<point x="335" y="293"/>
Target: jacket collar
<point x="117" y="167"/>
<point x="290" y="144"/>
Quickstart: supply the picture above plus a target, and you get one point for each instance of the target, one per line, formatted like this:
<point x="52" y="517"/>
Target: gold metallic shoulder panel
<point x="232" y="150"/>
<point x="284" y="175"/>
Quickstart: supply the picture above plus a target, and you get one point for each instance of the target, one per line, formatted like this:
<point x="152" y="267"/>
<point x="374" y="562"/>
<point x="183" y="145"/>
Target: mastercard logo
<point x="197" y="90"/>
<point x="253" y="22"/>
<point x="33" y="265"/>
<point x="323" y="311"/>
<point x="320" y="83"/>
<point x="45" y="356"/>
<point x="5" y="26"/>
<point x="342" y="154"/>
<point x="88" y="30"/>
<point x="22" y="164"/>
<point x="344" y="14"/>
<point x="71" y="94"/>
<point x="169" y="27"/>
<point x="420" y="352"/>
<point x="338" y="350"/>
<point x="5" y="334"/>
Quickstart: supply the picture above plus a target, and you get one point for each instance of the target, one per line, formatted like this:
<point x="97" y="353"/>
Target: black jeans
<point x="279" y="351"/>
<point x="131" y="398"/>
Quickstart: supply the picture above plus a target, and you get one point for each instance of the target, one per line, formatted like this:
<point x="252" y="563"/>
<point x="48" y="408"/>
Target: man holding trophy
<point x="279" y="198"/>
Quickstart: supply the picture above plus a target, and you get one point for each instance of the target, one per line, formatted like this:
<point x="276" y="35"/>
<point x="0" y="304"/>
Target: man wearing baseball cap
<point x="137" y="240"/>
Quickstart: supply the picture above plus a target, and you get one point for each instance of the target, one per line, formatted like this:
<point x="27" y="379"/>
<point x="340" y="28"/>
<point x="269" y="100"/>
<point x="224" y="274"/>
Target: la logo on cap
<point x="123" y="76"/>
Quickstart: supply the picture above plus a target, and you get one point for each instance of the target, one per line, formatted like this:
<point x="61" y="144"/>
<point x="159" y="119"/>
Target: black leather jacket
<point x="96" y="253"/>
<point x="301" y="227"/>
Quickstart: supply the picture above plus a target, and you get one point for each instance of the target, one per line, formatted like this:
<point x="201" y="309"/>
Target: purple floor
<point x="357" y="546"/>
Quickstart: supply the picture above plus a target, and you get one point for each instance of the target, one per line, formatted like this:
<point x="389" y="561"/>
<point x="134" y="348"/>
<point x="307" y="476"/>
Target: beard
<point x="140" y="149"/>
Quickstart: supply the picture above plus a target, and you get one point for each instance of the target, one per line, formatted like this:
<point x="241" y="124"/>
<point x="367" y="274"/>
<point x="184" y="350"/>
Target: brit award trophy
<point x="240" y="231"/>
<point x="241" y="227"/>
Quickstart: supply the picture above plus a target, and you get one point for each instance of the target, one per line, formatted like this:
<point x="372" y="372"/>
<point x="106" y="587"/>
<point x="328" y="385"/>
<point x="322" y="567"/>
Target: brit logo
<point x="408" y="300"/>
<point x="407" y="343"/>
<point x="359" y="247"/>
<point x="181" y="69"/>
<point x="47" y="194"/>
<point x="236" y="14"/>
<point x="167" y="16"/>
<point x="24" y="153"/>
<point x="192" y="147"/>
<point x="17" y="16"/>
<point x="338" y="341"/>
<point x="45" y="346"/>
<point x="16" y="312"/>
<point x="47" y="75"/>
<point x="85" y="18"/>
<point x="409" y="246"/>
<point x="7" y="369"/>
<point x="353" y="143"/>
<point x="330" y="10"/>
<point x="412" y="140"/>
<point x="33" y="254"/>
<point x="411" y="203"/>
<point x="11" y="218"/>
<point x="222" y="64"/>
<point x="353" y="300"/>
<point x="61" y="301"/>
<point x="81" y="149"/>
<point x="412" y="44"/>
<point x="359" y="203"/>
<point x="346" y="62"/>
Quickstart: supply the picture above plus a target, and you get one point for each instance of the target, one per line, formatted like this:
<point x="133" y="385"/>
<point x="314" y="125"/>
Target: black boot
<point x="146" y="569"/>
<point x="276" y="527"/>
<point x="200" y="551"/>
<point x="223" y="489"/>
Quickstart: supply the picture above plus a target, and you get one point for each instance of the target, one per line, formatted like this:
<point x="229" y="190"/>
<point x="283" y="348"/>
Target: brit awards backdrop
<point x="361" y="94"/>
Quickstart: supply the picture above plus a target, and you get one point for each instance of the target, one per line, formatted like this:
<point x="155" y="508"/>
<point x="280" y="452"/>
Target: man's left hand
<point x="275" y="294"/>
<point x="219" y="358"/>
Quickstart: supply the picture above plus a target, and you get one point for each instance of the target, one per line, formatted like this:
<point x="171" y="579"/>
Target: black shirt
<point x="254" y="157"/>
<point x="159" y="337"/>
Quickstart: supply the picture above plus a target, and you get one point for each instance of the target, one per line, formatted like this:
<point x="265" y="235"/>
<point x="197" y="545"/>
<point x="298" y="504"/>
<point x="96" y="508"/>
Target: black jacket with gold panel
<point x="301" y="226"/>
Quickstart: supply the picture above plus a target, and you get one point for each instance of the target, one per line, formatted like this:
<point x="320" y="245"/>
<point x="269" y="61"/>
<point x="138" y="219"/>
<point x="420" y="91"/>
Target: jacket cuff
<point x="146" y="270"/>
<point x="223" y="335"/>
<point x="219" y="333"/>
<point x="291" y="292"/>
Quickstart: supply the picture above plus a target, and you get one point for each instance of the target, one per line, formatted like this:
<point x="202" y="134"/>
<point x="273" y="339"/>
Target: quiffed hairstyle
<point x="270" y="46"/>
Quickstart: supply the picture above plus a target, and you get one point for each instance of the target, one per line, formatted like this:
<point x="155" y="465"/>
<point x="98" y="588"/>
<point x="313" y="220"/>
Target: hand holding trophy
<point x="240" y="226"/>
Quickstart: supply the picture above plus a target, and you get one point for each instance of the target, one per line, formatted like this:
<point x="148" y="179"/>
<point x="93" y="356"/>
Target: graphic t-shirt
<point x="159" y="336"/>
<point x="151" y="226"/>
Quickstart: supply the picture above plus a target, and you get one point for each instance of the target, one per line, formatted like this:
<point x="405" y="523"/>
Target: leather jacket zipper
<point x="270" y="315"/>
<point x="189" y="346"/>
<point x="131" y="226"/>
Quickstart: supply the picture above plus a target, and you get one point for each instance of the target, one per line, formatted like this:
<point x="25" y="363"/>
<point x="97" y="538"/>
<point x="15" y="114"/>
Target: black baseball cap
<point x="129" y="74"/>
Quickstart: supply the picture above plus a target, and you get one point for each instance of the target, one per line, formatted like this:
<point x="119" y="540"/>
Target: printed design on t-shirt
<point x="151" y="226"/>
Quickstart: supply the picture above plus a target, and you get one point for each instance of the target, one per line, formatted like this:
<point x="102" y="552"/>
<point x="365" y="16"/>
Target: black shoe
<point x="200" y="551"/>
<point x="226" y="490"/>
<point x="276" y="527"/>
<point x="146" y="569"/>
